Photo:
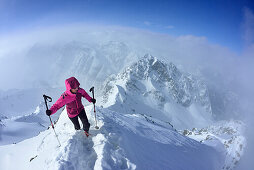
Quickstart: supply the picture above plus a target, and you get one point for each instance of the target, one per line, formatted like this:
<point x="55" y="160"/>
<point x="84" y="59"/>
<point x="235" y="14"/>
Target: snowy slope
<point x="155" y="88"/>
<point x="225" y="136"/>
<point x="20" y="115"/>
<point x="19" y="128"/>
<point x="122" y="142"/>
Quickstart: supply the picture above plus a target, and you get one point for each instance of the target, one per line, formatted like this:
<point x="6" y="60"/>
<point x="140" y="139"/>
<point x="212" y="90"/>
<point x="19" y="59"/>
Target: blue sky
<point x="221" y="21"/>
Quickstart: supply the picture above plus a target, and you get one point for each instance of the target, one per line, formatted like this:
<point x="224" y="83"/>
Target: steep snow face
<point x="158" y="89"/>
<point x="124" y="141"/>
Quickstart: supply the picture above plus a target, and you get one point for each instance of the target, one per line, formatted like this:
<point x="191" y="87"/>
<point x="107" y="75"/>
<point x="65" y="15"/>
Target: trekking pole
<point x="49" y="99"/>
<point x="92" y="90"/>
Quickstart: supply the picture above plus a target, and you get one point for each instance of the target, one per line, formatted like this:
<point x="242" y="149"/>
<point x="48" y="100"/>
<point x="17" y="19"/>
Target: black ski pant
<point x="84" y="120"/>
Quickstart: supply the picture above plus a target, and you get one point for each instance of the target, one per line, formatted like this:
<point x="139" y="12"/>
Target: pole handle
<point x="92" y="90"/>
<point x="47" y="98"/>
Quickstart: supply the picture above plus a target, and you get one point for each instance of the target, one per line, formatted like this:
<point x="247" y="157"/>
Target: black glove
<point x="93" y="101"/>
<point x="48" y="112"/>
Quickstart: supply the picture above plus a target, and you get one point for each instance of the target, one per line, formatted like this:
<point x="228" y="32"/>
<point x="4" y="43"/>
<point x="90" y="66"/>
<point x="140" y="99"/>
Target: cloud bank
<point x="245" y="69"/>
<point x="188" y="52"/>
<point x="33" y="58"/>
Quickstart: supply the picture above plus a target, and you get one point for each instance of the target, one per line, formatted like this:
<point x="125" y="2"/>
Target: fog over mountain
<point x="183" y="81"/>
<point x="46" y="57"/>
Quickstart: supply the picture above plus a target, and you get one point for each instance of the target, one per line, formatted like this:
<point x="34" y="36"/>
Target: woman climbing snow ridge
<point x="72" y="99"/>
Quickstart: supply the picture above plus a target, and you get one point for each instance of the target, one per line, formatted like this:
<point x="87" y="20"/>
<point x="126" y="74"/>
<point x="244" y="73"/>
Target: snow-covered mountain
<point x="141" y="109"/>
<point x="155" y="88"/>
<point x="122" y="142"/>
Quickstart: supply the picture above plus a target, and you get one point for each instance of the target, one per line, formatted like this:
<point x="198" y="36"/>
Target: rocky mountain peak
<point x="160" y="85"/>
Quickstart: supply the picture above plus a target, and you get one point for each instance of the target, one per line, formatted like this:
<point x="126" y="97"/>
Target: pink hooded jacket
<point x="72" y="101"/>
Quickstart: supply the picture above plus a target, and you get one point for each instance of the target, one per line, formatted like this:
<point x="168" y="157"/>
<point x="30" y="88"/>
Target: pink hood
<point x="71" y="83"/>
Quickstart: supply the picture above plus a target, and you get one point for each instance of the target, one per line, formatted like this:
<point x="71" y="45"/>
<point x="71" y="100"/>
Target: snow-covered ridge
<point x="153" y="87"/>
<point x="124" y="141"/>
